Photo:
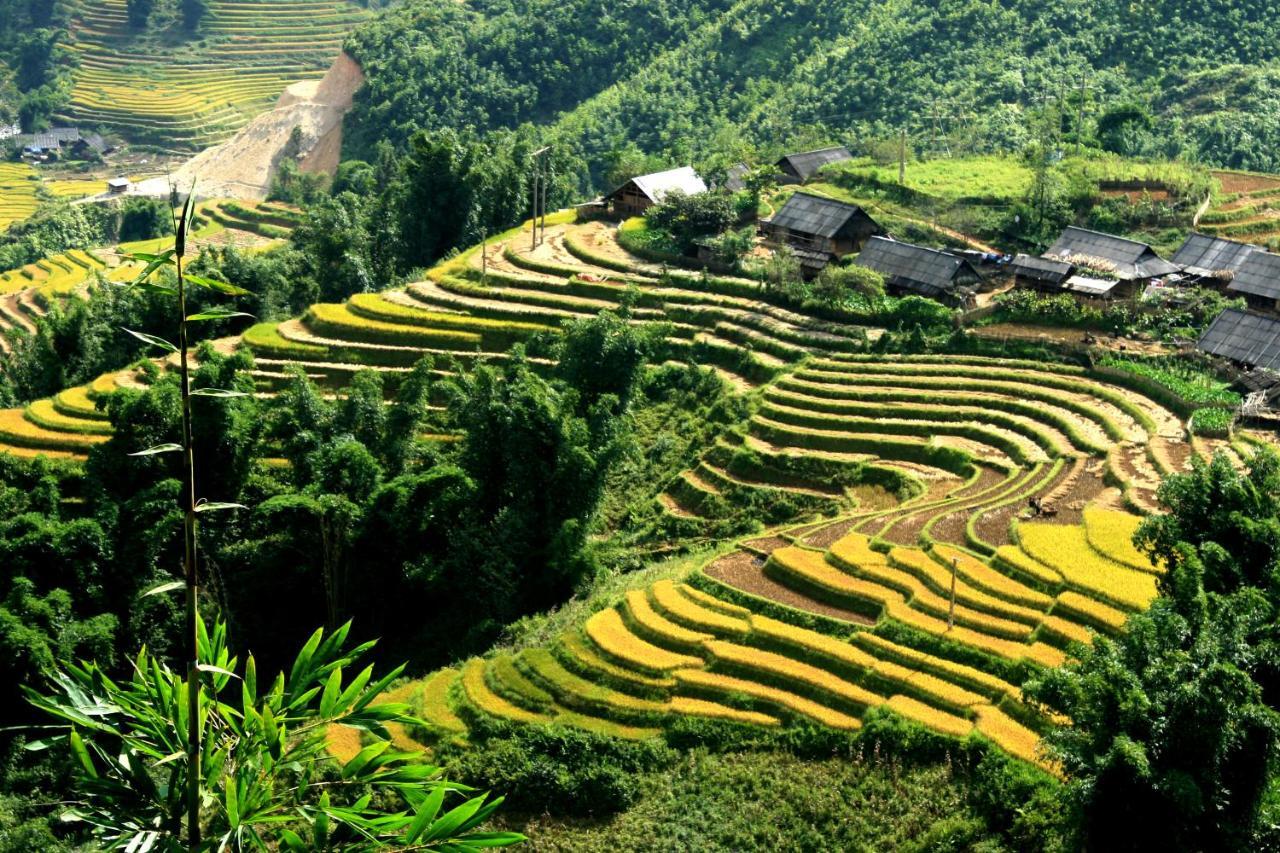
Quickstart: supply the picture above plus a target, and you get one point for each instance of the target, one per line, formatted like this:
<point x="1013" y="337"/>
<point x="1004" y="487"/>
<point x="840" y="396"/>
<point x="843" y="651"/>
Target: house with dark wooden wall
<point x="1131" y="264"/>
<point x="909" y="269"/>
<point x="640" y="193"/>
<point x="819" y="229"/>
<point x="1258" y="281"/>
<point x="1041" y="273"/>
<point x="1246" y="338"/>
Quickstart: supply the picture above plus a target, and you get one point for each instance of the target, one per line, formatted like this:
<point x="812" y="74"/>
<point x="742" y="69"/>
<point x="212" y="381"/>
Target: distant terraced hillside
<point x="172" y="93"/>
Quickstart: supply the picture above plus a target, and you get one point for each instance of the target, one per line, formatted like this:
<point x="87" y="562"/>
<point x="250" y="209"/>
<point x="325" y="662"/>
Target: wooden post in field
<point x="951" y="611"/>
<point x="484" y="256"/>
<point x="533" y="241"/>
<point x="902" y="157"/>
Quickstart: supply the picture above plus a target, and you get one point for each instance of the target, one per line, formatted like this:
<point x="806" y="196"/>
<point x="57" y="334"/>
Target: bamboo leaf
<point x="426" y="814"/>
<point x="159" y="448"/>
<point x="173" y="756"/>
<point x="214" y="506"/>
<point x="332" y="689"/>
<point x="233" y="803"/>
<point x="217" y="392"/>
<point x="208" y="667"/>
<point x="216" y="314"/>
<point x="82" y="754"/>
<point x="153" y="340"/>
<point x="146" y="257"/>
<point x="215" y="285"/>
<point x="164" y="587"/>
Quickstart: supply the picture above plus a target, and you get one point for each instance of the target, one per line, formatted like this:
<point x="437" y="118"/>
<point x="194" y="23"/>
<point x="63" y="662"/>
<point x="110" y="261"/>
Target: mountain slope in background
<point x="694" y="79"/>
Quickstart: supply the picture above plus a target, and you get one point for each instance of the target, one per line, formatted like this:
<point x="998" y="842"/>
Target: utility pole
<point x="533" y="237"/>
<point x="902" y="158"/>
<point x="937" y="130"/>
<point x="951" y="611"/>
<point x="1084" y="88"/>
<point x="537" y="154"/>
<point x="544" y="207"/>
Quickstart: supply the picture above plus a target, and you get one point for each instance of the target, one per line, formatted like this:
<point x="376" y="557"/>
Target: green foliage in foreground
<point x="264" y="781"/>
<point x="725" y="787"/>
<point x="1174" y="733"/>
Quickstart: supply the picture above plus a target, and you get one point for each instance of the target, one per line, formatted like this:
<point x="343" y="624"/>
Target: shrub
<point x="1192" y="384"/>
<point x="689" y="217"/>
<point x="557" y="770"/>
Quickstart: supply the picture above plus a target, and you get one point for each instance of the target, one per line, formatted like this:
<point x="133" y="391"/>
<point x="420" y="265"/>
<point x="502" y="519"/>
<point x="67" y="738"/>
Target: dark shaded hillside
<point x="693" y="79"/>
<point x="497" y="63"/>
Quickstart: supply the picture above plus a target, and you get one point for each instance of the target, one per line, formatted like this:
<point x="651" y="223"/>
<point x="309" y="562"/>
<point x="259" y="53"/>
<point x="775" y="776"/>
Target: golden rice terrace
<point x="881" y="483"/>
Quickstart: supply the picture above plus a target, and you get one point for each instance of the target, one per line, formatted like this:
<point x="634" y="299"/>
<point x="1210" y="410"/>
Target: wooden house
<point x="1212" y="260"/>
<point x="1132" y="265"/>
<point x="1258" y="281"/>
<point x="918" y="270"/>
<point x="819" y="229"/>
<point x="798" y="168"/>
<point x="640" y="193"/>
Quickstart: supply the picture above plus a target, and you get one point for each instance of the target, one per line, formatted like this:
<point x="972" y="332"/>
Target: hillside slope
<point x="961" y="75"/>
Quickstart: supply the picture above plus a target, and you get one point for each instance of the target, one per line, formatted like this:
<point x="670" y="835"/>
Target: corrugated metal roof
<point x="1090" y="286"/>
<point x="1203" y="255"/>
<point x="657" y="185"/>
<point x="1042" y="269"/>
<point x="927" y="271"/>
<point x="807" y="163"/>
<point x="1245" y="337"/>
<point x="1127" y="259"/>
<point x="812" y="214"/>
<point x="1258" y="275"/>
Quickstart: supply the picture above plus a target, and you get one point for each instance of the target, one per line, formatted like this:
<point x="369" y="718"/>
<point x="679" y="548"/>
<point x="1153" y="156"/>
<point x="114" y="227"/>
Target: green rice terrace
<point x="175" y="91"/>
<point x="878" y="482"/>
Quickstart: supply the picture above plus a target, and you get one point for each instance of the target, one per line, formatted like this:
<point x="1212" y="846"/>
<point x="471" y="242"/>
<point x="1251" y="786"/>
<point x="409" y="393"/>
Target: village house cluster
<point x="1091" y="266"/>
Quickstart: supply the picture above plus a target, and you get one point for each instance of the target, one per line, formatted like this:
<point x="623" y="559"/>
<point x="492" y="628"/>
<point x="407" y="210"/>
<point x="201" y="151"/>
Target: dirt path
<point x="243" y="166"/>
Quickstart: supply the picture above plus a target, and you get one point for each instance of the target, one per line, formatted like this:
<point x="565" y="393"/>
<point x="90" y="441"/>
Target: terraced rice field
<point x="1247" y="209"/>
<point x="883" y="481"/>
<point x="711" y="647"/>
<point x="18" y="200"/>
<point x="28" y="292"/>
<point x="176" y="93"/>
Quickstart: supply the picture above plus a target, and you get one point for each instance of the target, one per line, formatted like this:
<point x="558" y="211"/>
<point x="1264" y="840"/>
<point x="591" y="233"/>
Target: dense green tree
<point x="193" y="13"/>
<point x="139" y="12"/>
<point x="691" y="217"/>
